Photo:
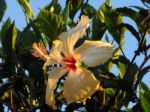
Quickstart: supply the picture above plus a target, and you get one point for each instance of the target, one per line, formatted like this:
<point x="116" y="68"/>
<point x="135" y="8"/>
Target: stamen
<point x="39" y="51"/>
<point x="70" y="63"/>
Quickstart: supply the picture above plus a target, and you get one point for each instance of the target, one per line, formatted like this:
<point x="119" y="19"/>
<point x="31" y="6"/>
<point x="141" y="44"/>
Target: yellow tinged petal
<point x="54" y="75"/>
<point x="80" y="85"/>
<point x="70" y="37"/>
<point x="94" y="53"/>
<point x="55" y="52"/>
<point x="54" y="56"/>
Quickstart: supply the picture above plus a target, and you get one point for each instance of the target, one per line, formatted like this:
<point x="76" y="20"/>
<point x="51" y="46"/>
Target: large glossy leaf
<point x="51" y="24"/>
<point x="145" y="100"/>
<point x="113" y="22"/>
<point x="3" y="7"/>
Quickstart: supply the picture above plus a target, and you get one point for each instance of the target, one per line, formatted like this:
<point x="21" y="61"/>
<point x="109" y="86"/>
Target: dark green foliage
<point x="89" y="10"/>
<point x="51" y="24"/>
<point x="145" y="100"/>
<point x="25" y="81"/>
<point x="3" y="7"/>
<point x="113" y="22"/>
<point x="74" y="6"/>
<point x="98" y="26"/>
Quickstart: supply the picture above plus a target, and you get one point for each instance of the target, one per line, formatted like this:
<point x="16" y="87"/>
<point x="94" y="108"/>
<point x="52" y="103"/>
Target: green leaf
<point x="122" y="64"/>
<point x="8" y="36"/>
<point x="26" y="8"/>
<point x="113" y="22"/>
<point x="5" y="27"/>
<point x="12" y="34"/>
<point x="3" y="7"/>
<point x="36" y="30"/>
<point x="137" y="17"/>
<point x="65" y="14"/>
<point x="14" y="37"/>
<point x="122" y="102"/>
<point x="74" y="6"/>
<point x="122" y="69"/>
<point x="51" y="24"/>
<point x="107" y="2"/>
<point x="54" y="7"/>
<point x="89" y="10"/>
<point x="25" y="44"/>
<point x="125" y="11"/>
<point x="110" y="91"/>
<point x="145" y="100"/>
<point x="107" y="81"/>
<point x="144" y="87"/>
<point x="116" y="55"/>
<point x="98" y="27"/>
<point x="133" y="31"/>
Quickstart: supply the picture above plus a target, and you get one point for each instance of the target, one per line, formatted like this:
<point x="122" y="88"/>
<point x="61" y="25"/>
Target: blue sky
<point x="15" y="13"/>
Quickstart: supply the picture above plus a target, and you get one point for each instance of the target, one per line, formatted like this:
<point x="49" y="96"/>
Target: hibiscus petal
<point x="94" y="53"/>
<point x="80" y="85"/>
<point x="55" y="56"/>
<point x="54" y="75"/>
<point x="70" y="37"/>
<point x="55" y="52"/>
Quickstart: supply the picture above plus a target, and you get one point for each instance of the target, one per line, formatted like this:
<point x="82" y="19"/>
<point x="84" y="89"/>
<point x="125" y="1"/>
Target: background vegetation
<point x="23" y="81"/>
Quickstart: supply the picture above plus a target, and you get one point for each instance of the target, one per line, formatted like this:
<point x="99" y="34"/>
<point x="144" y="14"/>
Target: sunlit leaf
<point x="98" y="26"/>
<point x="51" y="24"/>
<point x="122" y="69"/>
<point x="110" y="91"/>
<point x="116" y="55"/>
<point x="113" y="22"/>
<point x="54" y="7"/>
<point x="14" y="37"/>
<point x="26" y="8"/>
<point x="4" y="88"/>
<point x="74" y="6"/>
<point x="145" y="100"/>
